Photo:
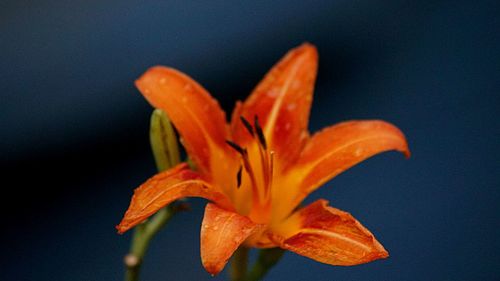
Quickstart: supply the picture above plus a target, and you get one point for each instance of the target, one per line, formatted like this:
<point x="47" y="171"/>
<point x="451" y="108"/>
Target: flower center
<point x="256" y="170"/>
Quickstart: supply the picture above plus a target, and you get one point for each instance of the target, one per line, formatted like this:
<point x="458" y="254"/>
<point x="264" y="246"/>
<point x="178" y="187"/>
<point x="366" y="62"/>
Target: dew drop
<point x="288" y="126"/>
<point x="188" y="87"/>
<point x="272" y="93"/>
<point x="291" y="106"/>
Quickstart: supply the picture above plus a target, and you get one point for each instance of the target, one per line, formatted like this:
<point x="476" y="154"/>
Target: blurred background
<point x="74" y="130"/>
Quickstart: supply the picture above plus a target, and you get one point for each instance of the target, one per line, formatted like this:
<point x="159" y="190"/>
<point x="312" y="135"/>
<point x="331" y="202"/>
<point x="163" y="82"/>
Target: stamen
<point x="238" y="176"/>
<point x="247" y="125"/>
<point x="271" y="169"/>
<point x="236" y="147"/>
<point x="260" y="134"/>
<point x="264" y="161"/>
<point x="262" y="181"/>
<point x="251" y="174"/>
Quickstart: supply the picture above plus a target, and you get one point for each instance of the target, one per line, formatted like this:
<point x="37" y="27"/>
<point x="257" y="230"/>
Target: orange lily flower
<point x="259" y="168"/>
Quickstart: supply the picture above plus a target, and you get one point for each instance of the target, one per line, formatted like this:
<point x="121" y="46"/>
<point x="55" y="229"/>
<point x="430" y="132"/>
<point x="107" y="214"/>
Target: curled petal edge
<point x="164" y="188"/>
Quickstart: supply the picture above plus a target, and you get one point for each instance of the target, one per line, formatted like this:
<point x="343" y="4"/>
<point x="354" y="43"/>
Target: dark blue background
<point x="74" y="128"/>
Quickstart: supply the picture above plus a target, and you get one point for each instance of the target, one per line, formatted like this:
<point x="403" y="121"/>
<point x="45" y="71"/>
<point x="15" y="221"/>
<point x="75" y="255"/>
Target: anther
<point x="247" y="125"/>
<point x="236" y="147"/>
<point x="260" y="134"/>
<point x="238" y="176"/>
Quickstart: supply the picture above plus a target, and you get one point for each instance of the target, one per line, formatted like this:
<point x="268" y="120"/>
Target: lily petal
<point x="282" y="102"/>
<point x="328" y="235"/>
<point x="222" y="232"/>
<point x="196" y="115"/>
<point x="333" y="150"/>
<point x="164" y="188"/>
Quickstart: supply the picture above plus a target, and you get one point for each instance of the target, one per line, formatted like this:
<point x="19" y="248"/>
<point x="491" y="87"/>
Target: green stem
<point x="266" y="260"/>
<point x="143" y="235"/>
<point x="166" y="153"/>
<point x="239" y="264"/>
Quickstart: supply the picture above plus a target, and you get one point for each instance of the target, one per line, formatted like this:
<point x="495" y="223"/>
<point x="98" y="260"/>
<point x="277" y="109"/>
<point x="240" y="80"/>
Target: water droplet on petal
<point x="288" y="126"/>
<point x="272" y="93"/>
<point x="188" y="87"/>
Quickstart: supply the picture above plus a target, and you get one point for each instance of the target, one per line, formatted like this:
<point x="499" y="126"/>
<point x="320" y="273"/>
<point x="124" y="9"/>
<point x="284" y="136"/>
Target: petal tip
<point x="212" y="269"/>
<point x="403" y="148"/>
<point x="308" y="49"/>
<point x="379" y="252"/>
<point x="377" y="255"/>
<point x="407" y="152"/>
<point x="384" y="254"/>
<point x="121" y="228"/>
<point x="151" y="72"/>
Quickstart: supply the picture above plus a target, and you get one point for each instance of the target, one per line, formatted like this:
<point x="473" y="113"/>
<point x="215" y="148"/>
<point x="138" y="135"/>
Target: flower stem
<point x="266" y="260"/>
<point x="166" y="153"/>
<point x="239" y="264"/>
<point x="143" y="235"/>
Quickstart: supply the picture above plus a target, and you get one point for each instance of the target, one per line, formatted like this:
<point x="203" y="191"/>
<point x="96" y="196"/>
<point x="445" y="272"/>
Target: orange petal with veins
<point x="328" y="235"/>
<point x="164" y="188"/>
<point x="337" y="148"/>
<point x="222" y="232"/>
<point x="282" y="101"/>
<point x="196" y="115"/>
